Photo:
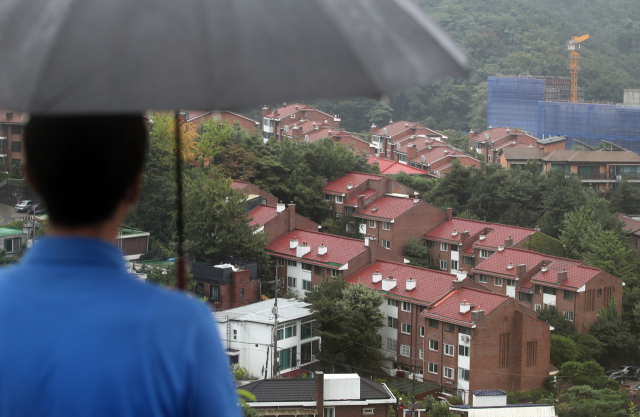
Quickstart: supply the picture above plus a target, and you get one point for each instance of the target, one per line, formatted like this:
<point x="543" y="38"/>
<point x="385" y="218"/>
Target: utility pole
<point x="276" y="359"/>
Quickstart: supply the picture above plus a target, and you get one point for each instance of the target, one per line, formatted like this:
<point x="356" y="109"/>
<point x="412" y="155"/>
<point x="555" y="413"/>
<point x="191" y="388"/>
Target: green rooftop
<point x="407" y="386"/>
<point x="159" y="263"/>
<point x="127" y="231"/>
<point x="9" y="231"/>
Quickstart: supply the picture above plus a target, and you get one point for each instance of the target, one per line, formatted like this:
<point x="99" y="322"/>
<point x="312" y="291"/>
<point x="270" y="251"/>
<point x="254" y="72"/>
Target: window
<point x="280" y="262"/>
<point x="308" y="350"/>
<point x="349" y="211"/>
<point x="328" y="197"/>
<point x="287" y="330"/>
<point x="386" y="226"/>
<point x="16" y="130"/>
<point x="484" y="253"/>
<point x="599" y="292"/>
<point x="367" y="411"/>
<point x="393" y="303"/>
<point x="467" y="260"/>
<point x="3" y="143"/>
<point x="568" y="315"/>
<point x="464" y="330"/>
<point x="391" y="322"/>
<point x="339" y="199"/>
<point x="12" y="245"/>
<point x="433" y="345"/>
<point x="351" y="227"/>
<point x="405" y="350"/>
<point x="532" y="353"/>
<point x="306" y="285"/>
<point x="406" y="306"/>
<point x="482" y="278"/>
<point x="421" y="353"/>
<point x="448" y="327"/>
<point x="214" y="293"/>
<point x="16" y="146"/>
<point x="511" y="282"/>
<point x="526" y="297"/>
<point x="463" y="374"/>
<point x="536" y="289"/>
<point x="429" y="244"/>
<point x="421" y="331"/>
<point x="402" y="157"/>
<point x="434" y="324"/>
<point x="569" y="295"/>
<point x="317" y="270"/>
<point x="489" y="157"/>
<point x="329" y="412"/>
<point x="563" y="167"/>
<point x="497" y="281"/>
<point x="16" y="161"/>
<point x="464" y="351"/>
<point x="235" y="334"/>
<point x="241" y="292"/>
<point x="454" y="264"/>
<point x="372" y="224"/>
<point x="433" y="368"/>
<point x="443" y="265"/>
<point x="406" y="328"/>
<point x="386" y="244"/>
<point x="444" y="247"/>
<point x="503" y="353"/>
<point x="335" y="273"/>
<point x="292" y="263"/>
<point x="307" y="328"/>
<point x="392" y="344"/>
<point x="538" y="307"/>
<point x="549" y="290"/>
<point x="306" y="267"/>
<point x="292" y="282"/>
<point x="449" y="350"/>
<point x="448" y="372"/>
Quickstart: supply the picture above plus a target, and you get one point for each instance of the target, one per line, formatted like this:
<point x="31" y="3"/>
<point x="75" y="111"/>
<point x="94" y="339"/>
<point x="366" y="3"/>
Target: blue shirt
<point x="79" y="336"/>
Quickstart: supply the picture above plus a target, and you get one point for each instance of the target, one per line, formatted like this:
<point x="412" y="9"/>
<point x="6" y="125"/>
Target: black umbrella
<point x="119" y="56"/>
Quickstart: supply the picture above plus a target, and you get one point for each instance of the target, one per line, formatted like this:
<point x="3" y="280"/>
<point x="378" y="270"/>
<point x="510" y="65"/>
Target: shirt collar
<point x="75" y="251"/>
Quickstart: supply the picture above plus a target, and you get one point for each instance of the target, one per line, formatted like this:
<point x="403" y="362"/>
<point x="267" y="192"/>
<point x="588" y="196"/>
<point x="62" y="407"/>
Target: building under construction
<point x="541" y="105"/>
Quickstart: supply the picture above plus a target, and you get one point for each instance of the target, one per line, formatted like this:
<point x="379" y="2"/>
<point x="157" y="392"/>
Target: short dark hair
<point x="83" y="166"/>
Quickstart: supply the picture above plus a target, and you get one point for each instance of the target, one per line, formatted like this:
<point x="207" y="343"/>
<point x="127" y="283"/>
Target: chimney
<point x="366" y="241"/>
<point x="319" y="377"/>
<point x="508" y="242"/>
<point x="302" y="250"/>
<point x="457" y="284"/>
<point x="464" y="307"/>
<point x="280" y="207"/>
<point x="374" y="128"/>
<point x="472" y="134"/>
<point x="412" y="152"/>
<point x="377" y="277"/>
<point x="477" y="315"/>
<point x="293" y="243"/>
<point x="464" y="236"/>
<point x="449" y="214"/>
<point x="292" y="216"/>
<point x="322" y="249"/>
<point x="389" y="283"/>
<point x="462" y="275"/>
<point x="373" y="249"/>
<point x="521" y="269"/>
<point x="411" y="284"/>
<point x="296" y="132"/>
<point x="360" y="200"/>
<point x="9" y="115"/>
<point x="266" y="110"/>
<point x="349" y="186"/>
<point x="500" y="248"/>
<point x="296" y="107"/>
<point x="562" y="276"/>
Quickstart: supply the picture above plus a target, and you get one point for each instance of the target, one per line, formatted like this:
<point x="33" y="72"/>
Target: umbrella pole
<point x="182" y="271"/>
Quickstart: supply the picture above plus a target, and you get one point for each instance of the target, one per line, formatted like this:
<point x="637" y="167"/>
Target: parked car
<point x="634" y="389"/>
<point x="620" y="376"/>
<point x="37" y="209"/>
<point x="24" y="204"/>
<point x="624" y="369"/>
<point x="634" y="374"/>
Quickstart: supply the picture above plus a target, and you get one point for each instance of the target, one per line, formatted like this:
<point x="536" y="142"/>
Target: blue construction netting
<point x="513" y="102"/>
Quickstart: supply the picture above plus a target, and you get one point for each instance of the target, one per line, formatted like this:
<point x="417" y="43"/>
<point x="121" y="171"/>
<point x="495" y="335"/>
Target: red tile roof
<point x="501" y="232"/>
<point x="340" y="250"/>
<point x="239" y="184"/>
<point x="18" y="116"/>
<point x="630" y="225"/>
<point x="393" y="167"/>
<point x="262" y="214"/>
<point x="446" y="230"/>
<point x="387" y="207"/>
<point x="498" y="133"/>
<point x="291" y="108"/>
<point x="327" y="131"/>
<point x="448" y="308"/>
<point x="498" y="262"/>
<point x="431" y="285"/>
<point x="370" y="192"/>
<point x="397" y="127"/>
<point x="341" y="184"/>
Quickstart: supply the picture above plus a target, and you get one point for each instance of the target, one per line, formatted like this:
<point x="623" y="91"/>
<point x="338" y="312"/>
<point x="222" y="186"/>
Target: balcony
<point x="584" y="177"/>
<point x="629" y="175"/>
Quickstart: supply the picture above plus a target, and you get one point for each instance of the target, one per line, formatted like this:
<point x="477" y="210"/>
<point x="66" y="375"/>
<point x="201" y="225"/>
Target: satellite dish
<point x="423" y="159"/>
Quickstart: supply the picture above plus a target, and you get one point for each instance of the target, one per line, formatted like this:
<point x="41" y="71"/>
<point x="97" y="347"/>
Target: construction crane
<point x="574" y="65"/>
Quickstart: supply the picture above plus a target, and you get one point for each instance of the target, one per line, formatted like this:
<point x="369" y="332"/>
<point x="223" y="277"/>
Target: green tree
<point x="542" y="243"/>
<point x="349" y="319"/>
<point x="589" y="348"/>
<point x="167" y="277"/>
<point x="612" y="331"/>
<point x="562" y="326"/>
<point x="563" y="350"/>
<point x="626" y="199"/>
<point x="560" y="195"/>
<point x="609" y="252"/>
<point x="580" y="229"/>
<point x="584" y="401"/>
<point x="416" y="252"/>
<point x="588" y="373"/>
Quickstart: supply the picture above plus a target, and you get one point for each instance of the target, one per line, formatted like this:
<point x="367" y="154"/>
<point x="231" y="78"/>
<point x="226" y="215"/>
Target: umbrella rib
<point x="182" y="279"/>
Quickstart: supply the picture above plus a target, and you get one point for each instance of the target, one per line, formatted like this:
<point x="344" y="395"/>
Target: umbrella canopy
<point x="118" y="56"/>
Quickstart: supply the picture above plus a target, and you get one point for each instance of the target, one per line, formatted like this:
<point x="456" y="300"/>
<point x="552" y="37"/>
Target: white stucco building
<point x="248" y="335"/>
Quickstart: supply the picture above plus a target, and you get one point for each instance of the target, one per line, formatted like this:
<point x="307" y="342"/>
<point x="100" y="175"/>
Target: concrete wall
<point x="631" y="97"/>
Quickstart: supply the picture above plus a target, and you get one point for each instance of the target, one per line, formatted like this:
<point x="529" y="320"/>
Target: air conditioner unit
<point x="619" y="177"/>
<point x="466" y="339"/>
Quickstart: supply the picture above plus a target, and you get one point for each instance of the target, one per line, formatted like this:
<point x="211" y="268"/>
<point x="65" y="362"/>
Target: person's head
<point x="84" y="167"/>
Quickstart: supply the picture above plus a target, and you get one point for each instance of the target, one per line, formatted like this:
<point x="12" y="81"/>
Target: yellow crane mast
<point x="574" y="65"/>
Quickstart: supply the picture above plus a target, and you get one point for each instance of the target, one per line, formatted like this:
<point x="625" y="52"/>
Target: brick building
<point x="277" y="220"/>
<point x="491" y="141"/>
<point x="133" y="243"/>
<point x="436" y="159"/>
<point x="632" y="229"/>
<point x="332" y="395"/>
<point x="199" y="117"/>
<point x="311" y="131"/>
<point x="385" y="138"/>
<point x="273" y="122"/>
<point x="389" y="167"/>
<point x="255" y="196"/>
<point x="304" y="258"/>
<point x="11" y="131"/>
<point x="536" y="280"/>
<point x="226" y="286"/>
<point x="476" y="339"/>
<point x="457" y="245"/>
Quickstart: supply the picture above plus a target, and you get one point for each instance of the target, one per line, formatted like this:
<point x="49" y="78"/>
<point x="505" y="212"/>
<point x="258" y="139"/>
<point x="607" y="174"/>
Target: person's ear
<point x="27" y="176"/>
<point x="133" y="193"/>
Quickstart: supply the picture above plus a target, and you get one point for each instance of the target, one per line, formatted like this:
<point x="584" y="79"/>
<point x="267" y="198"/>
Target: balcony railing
<point x="629" y="175"/>
<point x="592" y="176"/>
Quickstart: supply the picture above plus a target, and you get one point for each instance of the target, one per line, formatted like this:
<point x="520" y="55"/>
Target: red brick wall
<point x="379" y="410"/>
<point x="248" y="125"/>
<point x="230" y="294"/>
<point x="134" y="245"/>
<point x="358" y="144"/>
<point x="279" y="225"/>
<point x="250" y="189"/>
<point x="584" y="319"/>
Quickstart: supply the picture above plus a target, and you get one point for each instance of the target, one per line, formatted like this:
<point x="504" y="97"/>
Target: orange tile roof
<point x="387" y="207"/>
<point x="262" y="214"/>
<point x="449" y="308"/>
<point x="431" y="285"/>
